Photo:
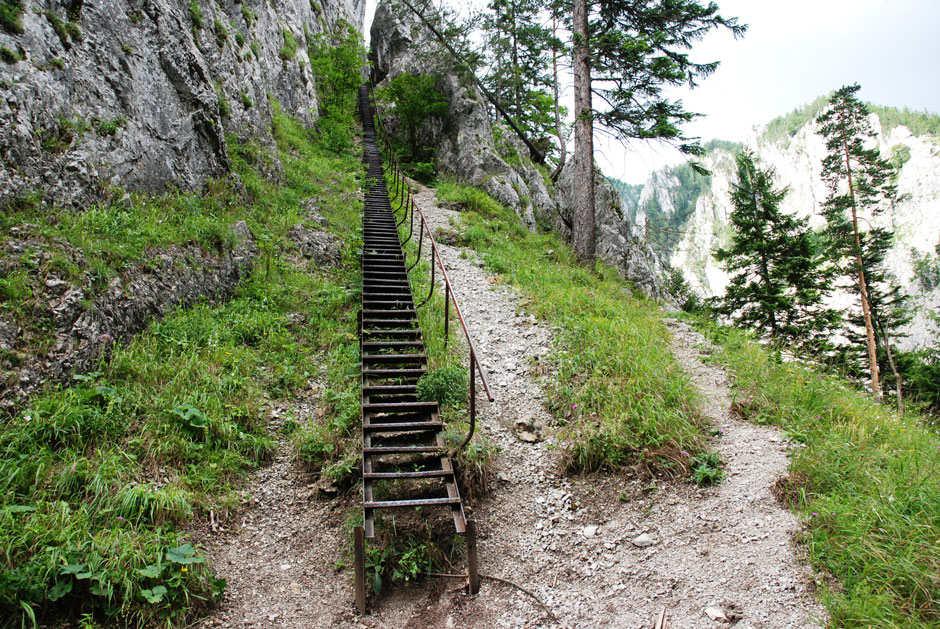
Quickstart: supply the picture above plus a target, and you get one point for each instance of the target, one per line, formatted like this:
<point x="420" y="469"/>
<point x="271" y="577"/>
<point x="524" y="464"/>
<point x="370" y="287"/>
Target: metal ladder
<point x="402" y="438"/>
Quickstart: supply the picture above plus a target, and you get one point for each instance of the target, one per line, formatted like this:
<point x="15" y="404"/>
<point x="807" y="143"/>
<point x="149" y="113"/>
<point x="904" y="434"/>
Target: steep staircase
<point x="404" y="460"/>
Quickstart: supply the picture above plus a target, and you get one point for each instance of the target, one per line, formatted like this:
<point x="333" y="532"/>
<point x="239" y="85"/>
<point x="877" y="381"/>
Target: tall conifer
<point x="861" y="185"/>
<point x="778" y="275"/>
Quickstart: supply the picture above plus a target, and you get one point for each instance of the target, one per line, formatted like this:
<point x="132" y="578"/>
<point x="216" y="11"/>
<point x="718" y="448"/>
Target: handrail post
<point x="420" y="242"/>
<point x="473" y="400"/>
<point x="446" y="312"/>
<point x="411" y="227"/>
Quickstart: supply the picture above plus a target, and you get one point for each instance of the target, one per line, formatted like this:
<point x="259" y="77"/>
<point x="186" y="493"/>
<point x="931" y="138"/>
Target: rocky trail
<point x="601" y="551"/>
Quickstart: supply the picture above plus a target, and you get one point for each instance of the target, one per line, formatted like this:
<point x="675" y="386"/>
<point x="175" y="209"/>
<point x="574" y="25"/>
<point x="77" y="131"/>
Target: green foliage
<point x="127" y="50"/>
<point x="637" y="47"/>
<point x="68" y="32"/>
<point x="900" y="155"/>
<point x="248" y="16"/>
<point x="414" y="100"/>
<point x="221" y="32"/>
<point x="224" y="107"/>
<point x="109" y="127"/>
<point x="245" y="100"/>
<point x="336" y="63"/>
<point x="11" y="57"/>
<point x="706" y="469"/>
<point x="861" y="186"/>
<point x="918" y="122"/>
<point x="620" y="396"/>
<point x="780" y="130"/>
<point x="866" y="484"/>
<point x="240" y="40"/>
<point x="195" y="14"/>
<point x="446" y="386"/>
<point x="469" y="198"/>
<point x="289" y="50"/>
<point x="11" y="16"/>
<point x="779" y="276"/>
<point x="86" y="521"/>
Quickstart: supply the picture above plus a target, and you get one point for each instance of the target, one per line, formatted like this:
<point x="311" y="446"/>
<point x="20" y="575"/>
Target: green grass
<point x="11" y="16"/>
<point x="99" y="479"/>
<point x="289" y="49"/>
<point x="621" y="398"/>
<point x="866" y="485"/>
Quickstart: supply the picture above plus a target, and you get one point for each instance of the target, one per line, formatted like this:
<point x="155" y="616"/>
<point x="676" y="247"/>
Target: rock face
<point x="177" y="275"/>
<point x="138" y="94"/>
<point x="484" y="153"/>
<point x="695" y="211"/>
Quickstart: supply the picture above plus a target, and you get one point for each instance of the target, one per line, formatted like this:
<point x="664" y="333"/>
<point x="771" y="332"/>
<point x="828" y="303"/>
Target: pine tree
<point x="861" y="185"/>
<point x="625" y="52"/>
<point x="778" y="275"/>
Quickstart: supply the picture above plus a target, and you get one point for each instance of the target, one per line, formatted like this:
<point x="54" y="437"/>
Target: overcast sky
<point x="793" y="52"/>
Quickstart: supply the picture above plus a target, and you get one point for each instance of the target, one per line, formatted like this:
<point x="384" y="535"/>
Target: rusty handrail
<point x="408" y="202"/>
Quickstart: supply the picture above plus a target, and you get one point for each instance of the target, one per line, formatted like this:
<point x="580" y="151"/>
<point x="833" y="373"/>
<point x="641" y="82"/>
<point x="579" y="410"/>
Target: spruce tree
<point x="860" y="185"/>
<point x="778" y="276"/>
<point x="625" y="52"/>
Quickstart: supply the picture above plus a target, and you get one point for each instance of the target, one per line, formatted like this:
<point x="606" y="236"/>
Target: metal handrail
<point x="408" y="202"/>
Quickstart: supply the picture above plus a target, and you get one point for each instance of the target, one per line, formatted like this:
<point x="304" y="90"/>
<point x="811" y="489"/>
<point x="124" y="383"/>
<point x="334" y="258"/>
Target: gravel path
<point x="601" y="551"/>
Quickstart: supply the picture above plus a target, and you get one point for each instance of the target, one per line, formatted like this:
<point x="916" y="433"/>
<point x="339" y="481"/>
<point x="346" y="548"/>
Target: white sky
<point x="793" y="52"/>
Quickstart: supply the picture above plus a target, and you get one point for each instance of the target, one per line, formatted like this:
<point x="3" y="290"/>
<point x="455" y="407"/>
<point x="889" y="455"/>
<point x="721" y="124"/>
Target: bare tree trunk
<point x="562" y="149"/>
<point x="894" y="369"/>
<point x="582" y="237"/>
<point x="863" y="290"/>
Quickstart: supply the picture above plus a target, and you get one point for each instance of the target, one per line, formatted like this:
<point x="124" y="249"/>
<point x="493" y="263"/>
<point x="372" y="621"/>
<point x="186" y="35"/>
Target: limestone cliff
<point x="686" y="216"/>
<point x="138" y="94"/>
<point x="479" y="151"/>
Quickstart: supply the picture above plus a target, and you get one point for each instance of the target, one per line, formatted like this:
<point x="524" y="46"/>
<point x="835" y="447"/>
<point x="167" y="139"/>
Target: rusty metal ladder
<point x="402" y="438"/>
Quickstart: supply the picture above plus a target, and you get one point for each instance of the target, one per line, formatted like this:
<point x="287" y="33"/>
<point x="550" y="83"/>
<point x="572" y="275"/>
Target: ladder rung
<point x="417" y="502"/>
<point x="421" y="474"/>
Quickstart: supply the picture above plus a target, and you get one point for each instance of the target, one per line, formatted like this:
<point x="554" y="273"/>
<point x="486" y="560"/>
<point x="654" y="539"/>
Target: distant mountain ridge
<point x="684" y="215"/>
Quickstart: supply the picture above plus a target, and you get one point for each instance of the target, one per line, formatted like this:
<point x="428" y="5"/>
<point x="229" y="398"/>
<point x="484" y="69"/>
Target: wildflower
<point x="815" y="515"/>
<point x="592" y="295"/>
<point x="684" y="453"/>
<point x="104" y="338"/>
<point x="184" y="569"/>
<point x="573" y="406"/>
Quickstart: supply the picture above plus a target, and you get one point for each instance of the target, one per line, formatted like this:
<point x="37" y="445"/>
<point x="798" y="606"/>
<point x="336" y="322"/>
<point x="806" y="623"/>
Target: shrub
<point x="446" y="386"/>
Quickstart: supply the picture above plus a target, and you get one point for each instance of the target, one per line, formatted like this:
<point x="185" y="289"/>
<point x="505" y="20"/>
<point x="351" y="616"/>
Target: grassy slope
<point x="866" y="485"/>
<point x="99" y="478"/>
<point x="621" y="396"/>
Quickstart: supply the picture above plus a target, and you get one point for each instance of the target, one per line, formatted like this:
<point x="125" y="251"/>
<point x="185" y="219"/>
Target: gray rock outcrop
<point x="467" y="148"/>
<point x="136" y="95"/>
<point x="81" y="332"/>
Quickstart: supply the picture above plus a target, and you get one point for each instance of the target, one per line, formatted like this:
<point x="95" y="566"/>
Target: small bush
<point x="446" y="386"/>
<point x="246" y="100"/>
<point x="289" y="49"/>
<point x="11" y="16"/>
<point x="240" y="39"/>
<point x="706" y="468"/>
<point x="9" y="56"/>
<point x="221" y="33"/>
<point x="249" y="16"/>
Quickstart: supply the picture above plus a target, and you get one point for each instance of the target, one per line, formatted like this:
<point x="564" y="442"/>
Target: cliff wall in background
<point x="685" y="216"/>
<point x="138" y="94"/>
<point x="479" y="151"/>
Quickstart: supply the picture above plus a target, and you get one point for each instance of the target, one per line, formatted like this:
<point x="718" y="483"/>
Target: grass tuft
<point x="866" y="484"/>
